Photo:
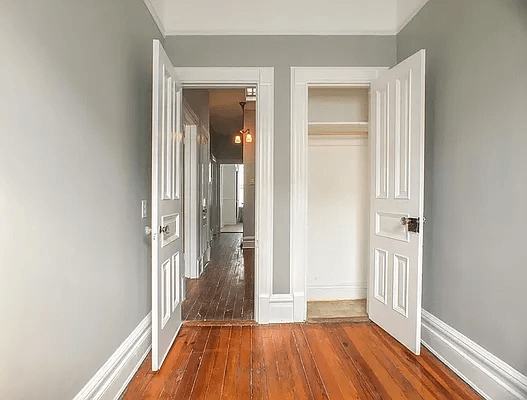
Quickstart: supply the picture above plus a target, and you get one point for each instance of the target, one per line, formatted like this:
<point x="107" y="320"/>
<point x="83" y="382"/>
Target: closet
<point x="338" y="201"/>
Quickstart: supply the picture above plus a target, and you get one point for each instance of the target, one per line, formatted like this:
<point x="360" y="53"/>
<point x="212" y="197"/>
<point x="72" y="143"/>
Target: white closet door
<point x="397" y="197"/>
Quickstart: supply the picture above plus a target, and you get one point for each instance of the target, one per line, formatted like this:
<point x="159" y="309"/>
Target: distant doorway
<point x="232" y="198"/>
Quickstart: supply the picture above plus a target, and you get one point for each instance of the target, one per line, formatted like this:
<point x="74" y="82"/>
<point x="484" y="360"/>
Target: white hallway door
<point x="228" y="194"/>
<point x="396" y="201"/>
<point x="205" y="201"/>
<point x="167" y="206"/>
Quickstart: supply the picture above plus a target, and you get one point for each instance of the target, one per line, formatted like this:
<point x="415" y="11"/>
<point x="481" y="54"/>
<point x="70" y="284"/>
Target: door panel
<point x="397" y="193"/>
<point x="167" y="206"/>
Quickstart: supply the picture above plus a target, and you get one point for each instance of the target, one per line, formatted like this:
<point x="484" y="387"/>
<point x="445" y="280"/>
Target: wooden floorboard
<point x="294" y="361"/>
<point x="225" y="290"/>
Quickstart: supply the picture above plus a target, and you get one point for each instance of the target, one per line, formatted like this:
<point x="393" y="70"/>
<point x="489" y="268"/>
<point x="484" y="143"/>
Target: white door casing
<point x="191" y="127"/>
<point x="167" y="206"/>
<point x="396" y="192"/>
<point x="301" y="79"/>
<point x="263" y="79"/>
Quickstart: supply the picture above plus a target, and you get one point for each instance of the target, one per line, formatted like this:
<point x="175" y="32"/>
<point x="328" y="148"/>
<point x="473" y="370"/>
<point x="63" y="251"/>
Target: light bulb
<point x="237" y="139"/>
<point x="248" y="137"/>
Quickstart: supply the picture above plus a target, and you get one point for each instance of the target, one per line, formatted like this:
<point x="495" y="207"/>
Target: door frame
<point x="301" y="79"/>
<point x="191" y="126"/>
<point x="263" y="79"/>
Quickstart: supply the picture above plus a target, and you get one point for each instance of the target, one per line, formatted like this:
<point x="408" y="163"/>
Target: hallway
<point x="224" y="292"/>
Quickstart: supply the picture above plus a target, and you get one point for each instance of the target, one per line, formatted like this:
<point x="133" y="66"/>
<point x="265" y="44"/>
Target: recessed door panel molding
<point x="389" y="225"/>
<point x="380" y="276"/>
<point x="166" y="133"/>
<point x="402" y="136"/>
<point x="171" y="234"/>
<point x="382" y="144"/>
<point x="177" y="140"/>
<point x="175" y="280"/>
<point x="165" y="292"/>
<point x="401" y="265"/>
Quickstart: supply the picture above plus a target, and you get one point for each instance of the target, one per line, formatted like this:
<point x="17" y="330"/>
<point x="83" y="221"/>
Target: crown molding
<point x="410" y="16"/>
<point x="155" y="16"/>
<point x="231" y="32"/>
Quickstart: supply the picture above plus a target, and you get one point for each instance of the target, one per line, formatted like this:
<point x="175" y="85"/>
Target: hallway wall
<point x="475" y="190"/>
<point x="281" y="52"/>
<point x="75" y="123"/>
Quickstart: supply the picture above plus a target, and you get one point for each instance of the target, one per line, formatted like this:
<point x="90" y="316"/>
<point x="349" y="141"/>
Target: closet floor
<point x="325" y="310"/>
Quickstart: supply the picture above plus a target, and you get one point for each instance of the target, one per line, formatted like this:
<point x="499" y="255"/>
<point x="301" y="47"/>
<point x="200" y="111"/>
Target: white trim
<point x="263" y="77"/>
<point x="155" y="16"/>
<point x="301" y="79"/>
<point x="280" y="308"/>
<point x="114" y="376"/>
<point x="237" y="32"/>
<point x="487" y="374"/>
<point x="338" y="140"/>
<point x="410" y="16"/>
<point x="191" y="122"/>
<point x="335" y="292"/>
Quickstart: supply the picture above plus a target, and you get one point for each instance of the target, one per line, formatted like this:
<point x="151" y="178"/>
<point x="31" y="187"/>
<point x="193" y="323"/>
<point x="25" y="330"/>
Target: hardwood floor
<point x="224" y="292"/>
<point x="294" y="361"/>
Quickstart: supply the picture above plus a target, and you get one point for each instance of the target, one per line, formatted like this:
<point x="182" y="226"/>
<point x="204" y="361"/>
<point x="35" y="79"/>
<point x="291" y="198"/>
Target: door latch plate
<point x="413" y="225"/>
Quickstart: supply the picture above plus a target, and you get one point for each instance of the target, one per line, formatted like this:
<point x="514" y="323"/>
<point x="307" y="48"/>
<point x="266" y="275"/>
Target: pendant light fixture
<point x="238" y="138"/>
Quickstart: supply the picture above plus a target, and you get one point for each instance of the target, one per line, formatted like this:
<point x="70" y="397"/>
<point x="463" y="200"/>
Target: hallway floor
<point x="224" y="292"/>
<point x="294" y="361"/>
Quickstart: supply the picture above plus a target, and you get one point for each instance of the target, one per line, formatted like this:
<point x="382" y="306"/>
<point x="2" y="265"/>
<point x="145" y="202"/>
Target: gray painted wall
<point x="476" y="174"/>
<point x="224" y="148"/>
<point x="75" y="111"/>
<point x="281" y="52"/>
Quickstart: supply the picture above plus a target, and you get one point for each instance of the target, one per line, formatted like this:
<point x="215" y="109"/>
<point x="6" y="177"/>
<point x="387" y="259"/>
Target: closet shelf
<point x="330" y="128"/>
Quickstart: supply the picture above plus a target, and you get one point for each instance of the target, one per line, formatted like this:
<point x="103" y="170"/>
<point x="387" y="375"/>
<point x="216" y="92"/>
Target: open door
<point x="204" y="236"/>
<point x="167" y="206"/>
<point x="397" y="197"/>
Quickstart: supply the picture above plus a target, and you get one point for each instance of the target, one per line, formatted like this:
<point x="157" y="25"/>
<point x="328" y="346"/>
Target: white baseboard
<point x="263" y="309"/>
<point x="299" y="306"/>
<point x="114" y="376"/>
<point x="280" y="308"/>
<point x="336" y="292"/>
<point x="491" y="377"/>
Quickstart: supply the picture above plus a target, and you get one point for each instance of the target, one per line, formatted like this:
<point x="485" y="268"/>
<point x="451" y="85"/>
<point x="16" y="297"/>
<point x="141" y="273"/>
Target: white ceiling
<point x="282" y="17"/>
